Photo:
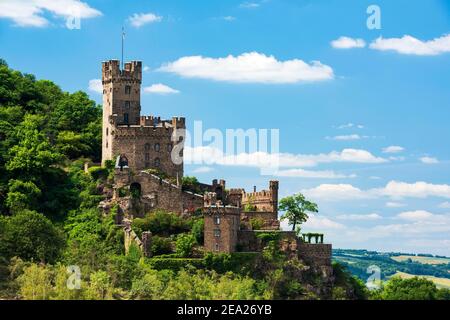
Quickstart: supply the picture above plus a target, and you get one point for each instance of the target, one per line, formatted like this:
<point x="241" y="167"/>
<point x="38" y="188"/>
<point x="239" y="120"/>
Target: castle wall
<point x="316" y="254"/>
<point x="227" y="237"/>
<point x="147" y="147"/>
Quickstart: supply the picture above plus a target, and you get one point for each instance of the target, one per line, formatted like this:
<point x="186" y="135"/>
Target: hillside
<point x="436" y="268"/>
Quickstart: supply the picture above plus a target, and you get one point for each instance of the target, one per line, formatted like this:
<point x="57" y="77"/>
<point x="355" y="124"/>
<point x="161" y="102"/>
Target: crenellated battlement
<point x="111" y="71"/>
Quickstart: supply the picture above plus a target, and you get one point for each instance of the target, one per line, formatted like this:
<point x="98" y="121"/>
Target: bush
<point x="161" y="245"/>
<point x="257" y="223"/>
<point x="410" y="289"/>
<point x="185" y="245"/>
<point x="237" y="262"/>
<point x="174" y="264"/>
<point x="198" y="227"/>
<point x="161" y="222"/>
<point x="98" y="172"/>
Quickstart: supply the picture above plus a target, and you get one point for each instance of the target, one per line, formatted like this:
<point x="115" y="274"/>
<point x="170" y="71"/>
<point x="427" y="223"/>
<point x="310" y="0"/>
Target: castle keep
<point x="144" y="142"/>
<point x="146" y="178"/>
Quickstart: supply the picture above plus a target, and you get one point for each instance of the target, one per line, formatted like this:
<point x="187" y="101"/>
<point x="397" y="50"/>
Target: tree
<point x="415" y="288"/>
<point x="296" y="209"/>
<point x="35" y="282"/>
<point x="22" y="195"/>
<point x="185" y="245"/>
<point x="31" y="236"/>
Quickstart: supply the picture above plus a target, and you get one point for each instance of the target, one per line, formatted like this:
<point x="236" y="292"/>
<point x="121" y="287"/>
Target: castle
<point x="146" y="178"/>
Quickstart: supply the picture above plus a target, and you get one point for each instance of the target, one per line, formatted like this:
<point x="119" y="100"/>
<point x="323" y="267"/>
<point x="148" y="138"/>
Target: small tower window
<point x="157" y="147"/>
<point x="147" y="147"/>
<point x="107" y="131"/>
<point x="127" y="105"/>
<point x="147" y="157"/>
<point x="157" y="162"/>
<point x="217" y="220"/>
<point x="125" y="118"/>
<point x="169" y="147"/>
<point x="217" y="233"/>
<point x="217" y="247"/>
<point x="127" y="89"/>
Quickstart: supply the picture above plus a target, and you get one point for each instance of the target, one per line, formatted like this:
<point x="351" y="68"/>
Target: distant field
<point x="439" y="282"/>
<point x="425" y="260"/>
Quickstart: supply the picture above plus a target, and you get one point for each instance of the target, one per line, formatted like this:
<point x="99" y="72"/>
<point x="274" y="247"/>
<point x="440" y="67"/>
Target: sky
<point x="359" y="95"/>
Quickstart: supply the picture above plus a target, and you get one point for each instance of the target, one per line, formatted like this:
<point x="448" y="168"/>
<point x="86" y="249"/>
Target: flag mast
<point x="123" y="37"/>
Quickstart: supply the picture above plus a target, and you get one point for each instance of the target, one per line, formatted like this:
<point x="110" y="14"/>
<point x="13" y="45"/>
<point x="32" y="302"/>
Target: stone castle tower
<point x="140" y="142"/>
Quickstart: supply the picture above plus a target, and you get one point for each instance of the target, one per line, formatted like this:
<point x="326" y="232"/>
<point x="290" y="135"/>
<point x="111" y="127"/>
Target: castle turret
<point x="121" y="99"/>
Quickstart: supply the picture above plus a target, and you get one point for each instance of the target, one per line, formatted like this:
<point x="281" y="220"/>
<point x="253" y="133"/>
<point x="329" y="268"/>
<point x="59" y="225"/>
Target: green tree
<point x="100" y="287"/>
<point x="296" y="209"/>
<point x="35" y="282"/>
<point x="22" y="195"/>
<point x="31" y="236"/>
<point x="415" y="288"/>
<point x="185" y="245"/>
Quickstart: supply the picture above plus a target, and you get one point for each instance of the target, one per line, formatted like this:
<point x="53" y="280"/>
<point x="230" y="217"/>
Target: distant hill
<point x="391" y="263"/>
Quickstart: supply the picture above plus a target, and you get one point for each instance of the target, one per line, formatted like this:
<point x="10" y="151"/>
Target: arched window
<point x="157" y="147"/>
<point x="147" y="147"/>
<point x="107" y="131"/>
<point x="157" y="162"/>
<point x="169" y="147"/>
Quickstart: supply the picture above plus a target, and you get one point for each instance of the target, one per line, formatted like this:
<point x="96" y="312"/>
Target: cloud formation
<point x="413" y="46"/>
<point x="393" y="149"/>
<point x="137" y="20"/>
<point x="30" y="13"/>
<point x="348" y="43"/>
<point x="159" y="88"/>
<point x="95" y="85"/>
<point x="252" y="67"/>
<point x="429" y="160"/>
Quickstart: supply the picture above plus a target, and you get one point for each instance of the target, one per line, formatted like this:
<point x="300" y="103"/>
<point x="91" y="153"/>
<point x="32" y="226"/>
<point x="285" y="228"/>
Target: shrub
<point x="161" y="245"/>
<point x="257" y="223"/>
<point x="98" y="172"/>
<point x="174" y="264"/>
<point x="197" y="231"/>
<point x="185" y="245"/>
<point x="161" y="222"/>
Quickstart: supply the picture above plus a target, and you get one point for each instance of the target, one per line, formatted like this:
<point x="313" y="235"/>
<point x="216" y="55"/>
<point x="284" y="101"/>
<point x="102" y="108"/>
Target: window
<point x="217" y="247"/>
<point x="217" y="220"/>
<point x="169" y="147"/>
<point x="127" y="89"/>
<point x="127" y="105"/>
<point x="217" y="233"/>
<point x="157" y="147"/>
<point x="147" y="157"/>
<point x="157" y="162"/>
<point x="147" y="147"/>
<point x="107" y="131"/>
<point x="125" y="118"/>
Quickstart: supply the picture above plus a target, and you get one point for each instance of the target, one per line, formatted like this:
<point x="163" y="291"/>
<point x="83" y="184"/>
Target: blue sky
<point x="337" y="117"/>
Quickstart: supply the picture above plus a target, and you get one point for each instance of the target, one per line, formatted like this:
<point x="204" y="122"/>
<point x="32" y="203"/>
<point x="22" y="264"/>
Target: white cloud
<point x="347" y="137"/>
<point x="249" y="5"/>
<point x="30" y="13"/>
<point x="210" y="155"/>
<point x="139" y="19"/>
<point x="397" y="158"/>
<point x="393" y="149"/>
<point x="324" y="174"/>
<point x="392" y="204"/>
<point x="348" y="43"/>
<point x="202" y="170"/>
<point x="320" y="223"/>
<point x="146" y="68"/>
<point x="370" y="216"/>
<point x="393" y="189"/>
<point x="252" y="67"/>
<point x="95" y="85"/>
<point x="415" y="215"/>
<point x="444" y="205"/>
<point x="159" y="88"/>
<point x="429" y="160"/>
<point x="396" y="189"/>
<point x="336" y="192"/>
<point x="350" y="125"/>
<point x="412" y="46"/>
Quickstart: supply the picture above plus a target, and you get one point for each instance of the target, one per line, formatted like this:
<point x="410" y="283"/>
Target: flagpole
<point x="123" y="36"/>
